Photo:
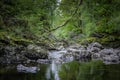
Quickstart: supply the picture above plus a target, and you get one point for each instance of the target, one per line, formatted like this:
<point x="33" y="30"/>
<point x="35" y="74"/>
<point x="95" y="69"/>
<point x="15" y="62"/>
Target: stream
<point x="73" y="70"/>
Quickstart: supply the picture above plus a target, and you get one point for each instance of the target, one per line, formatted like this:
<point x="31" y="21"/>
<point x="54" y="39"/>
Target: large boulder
<point x="25" y="69"/>
<point x="76" y="52"/>
<point x="21" y="54"/>
<point x="105" y="52"/>
<point x="10" y="54"/>
<point x="7" y="50"/>
<point x="108" y="56"/>
<point x="66" y="58"/>
<point x="35" y="52"/>
<point x="43" y="61"/>
<point x="95" y="44"/>
<point x="112" y="59"/>
<point x="94" y="47"/>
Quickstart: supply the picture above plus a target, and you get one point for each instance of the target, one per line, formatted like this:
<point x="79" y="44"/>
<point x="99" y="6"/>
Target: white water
<point x="54" y="66"/>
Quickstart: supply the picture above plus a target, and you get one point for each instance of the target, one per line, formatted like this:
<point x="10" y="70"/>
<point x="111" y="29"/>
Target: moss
<point x="4" y="39"/>
<point x="110" y="40"/>
<point x="9" y="39"/>
<point x="88" y="40"/>
<point x="2" y="33"/>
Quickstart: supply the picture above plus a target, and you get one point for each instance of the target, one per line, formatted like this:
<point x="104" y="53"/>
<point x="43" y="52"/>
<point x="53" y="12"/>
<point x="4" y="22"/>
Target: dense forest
<point x="77" y="21"/>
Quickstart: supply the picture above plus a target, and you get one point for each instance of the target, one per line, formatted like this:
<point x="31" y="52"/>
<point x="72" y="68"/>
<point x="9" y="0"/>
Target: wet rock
<point x="29" y="47"/>
<point x="112" y="59"/>
<point x="79" y="52"/>
<point x="94" y="51"/>
<point x="94" y="47"/>
<point x="11" y="55"/>
<point x="108" y="56"/>
<point x="73" y="50"/>
<point x="22" y="68"/>
<point x="95" y="44"/>
<point x="7" y="50"/>
<point x="61" y="48"/>
<point x="56" y="54"/>
<point x="96" y="56"/>
<point x="35" y="55"/>
<point x="67" y="58"/>
<point x="105" y="52"/>
<point x="38" y="54"/>
<point x="21" y="54"/>
<point x="35" y="52"/>
<point x="43" y="61"/>
<point x="74" y="46"/>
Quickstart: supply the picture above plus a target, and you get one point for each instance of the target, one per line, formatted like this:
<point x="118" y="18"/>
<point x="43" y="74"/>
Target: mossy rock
<point x="4" y="38"/>
<point x="24" y="42"/>
<point x="110" y="40"/>
<point x="88" y="40"/>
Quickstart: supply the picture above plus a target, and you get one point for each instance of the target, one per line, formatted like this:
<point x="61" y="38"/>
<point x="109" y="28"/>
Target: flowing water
<point x="93" y="70"/>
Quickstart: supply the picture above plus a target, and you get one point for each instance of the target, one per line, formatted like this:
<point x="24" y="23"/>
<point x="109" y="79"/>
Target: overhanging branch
<point x="80" y="2"/>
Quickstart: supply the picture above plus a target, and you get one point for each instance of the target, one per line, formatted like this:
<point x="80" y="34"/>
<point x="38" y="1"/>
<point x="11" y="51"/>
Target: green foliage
<point x="64" y="12"/>
<point x="65" y="6"/>
<point x="92" y="16"/>
<point x="29" y="19"/>
<point x="82" y="71"/>
<point x="39" y="17"/>
<point x="101" y="16"/>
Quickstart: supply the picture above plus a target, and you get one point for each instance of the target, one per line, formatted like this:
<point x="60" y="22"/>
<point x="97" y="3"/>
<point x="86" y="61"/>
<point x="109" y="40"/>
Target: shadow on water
<point x="94" y="70"/>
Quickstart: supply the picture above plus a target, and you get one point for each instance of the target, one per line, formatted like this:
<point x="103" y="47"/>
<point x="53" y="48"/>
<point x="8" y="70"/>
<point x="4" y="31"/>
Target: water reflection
<point x="53" y="71"/>
<point x="12" y="74"/>
<point x="94" y="70"/>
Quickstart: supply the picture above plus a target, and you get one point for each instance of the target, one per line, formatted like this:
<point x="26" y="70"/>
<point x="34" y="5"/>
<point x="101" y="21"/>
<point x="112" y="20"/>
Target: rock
<point x="107" y="52"/>
<point x="74" y="54"/>
<point x="38" y="54"/>
<point x="112" y="59"/>
<point x="96" y="44"/>
<point x="78" y="53"/>
<point x="61" y="48"/>
<point x="7" y="50"/>
<point x="67" y="58"/>
<point x="43" y="61"/>
<point x="96" y="56"/>
<point x="74" y="46"/>
<point x="73" y="50"/>
<point x="30" y="47"/>
<point x="109" y="56"/>
<point x="37" y="49"/>
<point x="21" y="68"/>
<point x="35" y="55"/>
<point x="35" y="52"/>
<point x="21" y="54"/>
<point x="94" y="47"/>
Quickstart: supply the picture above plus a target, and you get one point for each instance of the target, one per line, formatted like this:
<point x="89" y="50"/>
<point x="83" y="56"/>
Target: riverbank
<point x="92" y="51"/>
<point x="39" y="54"/>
